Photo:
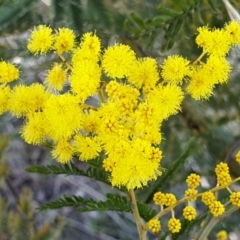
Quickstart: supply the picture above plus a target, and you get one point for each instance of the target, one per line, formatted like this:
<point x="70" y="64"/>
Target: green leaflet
<point x="145" y="211"/>
<point x="152" y="39"/>
<point x="177" y="27"/>
<point x="181" y="5"/>
<point x="158" y="21"/>
<point x="129" y="27"/>
<point x="167" y="12"/>
<point x="172" y="31"/>
<point x="137" y="19"/>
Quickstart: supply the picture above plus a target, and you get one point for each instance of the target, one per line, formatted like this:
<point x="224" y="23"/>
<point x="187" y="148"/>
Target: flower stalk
<point x="141" y="232"/>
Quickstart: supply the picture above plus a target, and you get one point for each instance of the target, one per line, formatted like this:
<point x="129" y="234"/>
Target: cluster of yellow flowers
<point x="170" y="201"/>
<point x="135" y="96"/>
<point x="191" y="194"/>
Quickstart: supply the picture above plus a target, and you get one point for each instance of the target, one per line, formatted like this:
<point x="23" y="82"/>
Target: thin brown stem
<point x="64" y="61"/>
<point x="199" y="58"/>
<point x="141" y="232"/>
<point x="100" y="95"/>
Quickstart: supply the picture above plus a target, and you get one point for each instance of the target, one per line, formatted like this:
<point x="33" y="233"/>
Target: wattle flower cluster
<point x="168" y="201"/>
<point x="135" y="95"/>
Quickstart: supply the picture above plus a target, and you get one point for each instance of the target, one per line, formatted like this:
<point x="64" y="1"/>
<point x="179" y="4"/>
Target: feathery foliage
<point x="70" y="169"/>
<point x="114" y="202"/>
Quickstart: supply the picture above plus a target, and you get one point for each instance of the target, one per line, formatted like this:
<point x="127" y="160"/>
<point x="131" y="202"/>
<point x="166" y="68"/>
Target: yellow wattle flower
<point x="174" y="69"/>
<point x="64" y="40"/>
<point x="8" y="72"/>
<point x="40" y="40"/>
<point x="117" y="60"/>
<point x="56" y="77"/>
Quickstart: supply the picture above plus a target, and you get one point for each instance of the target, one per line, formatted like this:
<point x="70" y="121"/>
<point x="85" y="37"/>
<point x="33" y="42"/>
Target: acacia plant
<point x="120" y="135"/>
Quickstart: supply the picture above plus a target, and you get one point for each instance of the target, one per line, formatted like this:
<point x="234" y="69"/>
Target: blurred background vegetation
<point x="195" y="140"/>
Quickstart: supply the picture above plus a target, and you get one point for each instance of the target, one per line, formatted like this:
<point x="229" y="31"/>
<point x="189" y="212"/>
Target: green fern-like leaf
<point x="113" y="203"/>
<point x="71" y="169"/>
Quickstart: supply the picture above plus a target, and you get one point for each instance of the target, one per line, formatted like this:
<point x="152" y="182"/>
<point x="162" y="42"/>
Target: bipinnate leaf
<point x="114" y="202"/>
<point x="70" y="169"/>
